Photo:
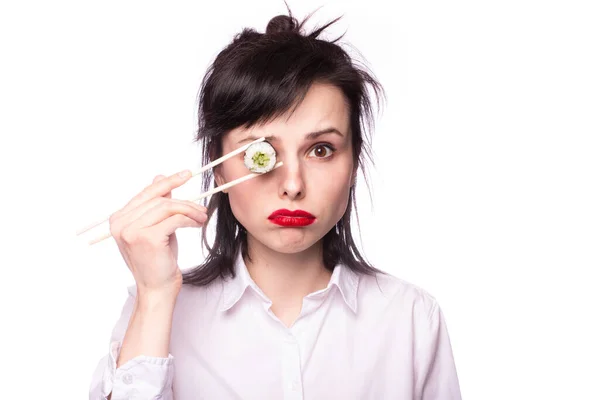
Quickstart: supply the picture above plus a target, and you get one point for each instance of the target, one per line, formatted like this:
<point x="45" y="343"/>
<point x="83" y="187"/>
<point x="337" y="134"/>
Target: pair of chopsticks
<point x="203" y="195"/>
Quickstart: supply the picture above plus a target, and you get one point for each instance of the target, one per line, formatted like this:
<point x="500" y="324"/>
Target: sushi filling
<point x="260" y="157"/>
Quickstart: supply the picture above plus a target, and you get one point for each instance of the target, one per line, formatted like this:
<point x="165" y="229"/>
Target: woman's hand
<point x="145" y="232"/>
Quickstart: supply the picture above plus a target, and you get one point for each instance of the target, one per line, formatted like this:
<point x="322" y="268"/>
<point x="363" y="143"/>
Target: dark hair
<point x="256" y="78"/>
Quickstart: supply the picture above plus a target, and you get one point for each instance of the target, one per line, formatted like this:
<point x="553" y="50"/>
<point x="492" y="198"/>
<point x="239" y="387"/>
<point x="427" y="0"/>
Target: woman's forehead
<point x="323" y="111"/>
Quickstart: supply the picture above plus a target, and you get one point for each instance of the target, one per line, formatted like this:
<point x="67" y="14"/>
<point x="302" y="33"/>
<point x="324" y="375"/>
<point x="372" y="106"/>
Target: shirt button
<point x="127" y="379"/>
<point x="295" y="386"/>
<point x="290" y="339"/>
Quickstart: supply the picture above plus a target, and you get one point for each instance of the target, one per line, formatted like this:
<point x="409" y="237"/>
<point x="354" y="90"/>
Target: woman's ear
<point x="219" y="179"/>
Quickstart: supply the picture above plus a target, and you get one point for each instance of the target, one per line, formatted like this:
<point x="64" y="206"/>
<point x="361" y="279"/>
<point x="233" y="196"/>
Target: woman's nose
<point x="291" y="185"/>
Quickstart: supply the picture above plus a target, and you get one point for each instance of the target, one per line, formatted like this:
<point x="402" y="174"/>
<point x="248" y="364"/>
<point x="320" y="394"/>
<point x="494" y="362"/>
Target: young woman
<point x="284" y="306"/>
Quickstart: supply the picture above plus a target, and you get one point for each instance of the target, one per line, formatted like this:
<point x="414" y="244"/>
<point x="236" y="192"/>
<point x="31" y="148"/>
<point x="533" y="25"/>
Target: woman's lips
<point x="285" y="217"/>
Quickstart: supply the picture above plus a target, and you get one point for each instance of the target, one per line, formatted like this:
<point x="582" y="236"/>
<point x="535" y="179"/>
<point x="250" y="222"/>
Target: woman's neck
<point x="287" y="278"/>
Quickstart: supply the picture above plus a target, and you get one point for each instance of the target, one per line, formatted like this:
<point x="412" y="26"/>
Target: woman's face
<point x="315" y="146"/>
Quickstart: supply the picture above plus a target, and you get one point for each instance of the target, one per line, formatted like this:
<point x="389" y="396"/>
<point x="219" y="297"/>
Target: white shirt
<point x="361" y="337"/>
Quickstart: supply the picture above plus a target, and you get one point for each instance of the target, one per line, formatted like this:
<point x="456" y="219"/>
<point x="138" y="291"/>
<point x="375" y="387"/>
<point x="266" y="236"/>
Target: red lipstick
<point x="285" y="217"/>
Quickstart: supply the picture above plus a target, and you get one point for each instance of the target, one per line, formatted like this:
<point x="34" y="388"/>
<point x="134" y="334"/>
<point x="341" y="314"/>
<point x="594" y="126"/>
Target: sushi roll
<point x="260" y="157"/>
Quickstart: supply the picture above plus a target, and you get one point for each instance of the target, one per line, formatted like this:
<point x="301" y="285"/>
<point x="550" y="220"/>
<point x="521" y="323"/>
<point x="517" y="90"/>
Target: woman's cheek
<point x="240" y="205"/>
<point x="248" y="201"/>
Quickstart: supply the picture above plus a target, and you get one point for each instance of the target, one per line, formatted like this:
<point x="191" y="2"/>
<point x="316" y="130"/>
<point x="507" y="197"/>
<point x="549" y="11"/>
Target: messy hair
<point x="259" y="77"/>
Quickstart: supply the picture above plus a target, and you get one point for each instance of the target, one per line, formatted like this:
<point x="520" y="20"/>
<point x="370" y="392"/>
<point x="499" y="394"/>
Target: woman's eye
<point x="322" y="151"/>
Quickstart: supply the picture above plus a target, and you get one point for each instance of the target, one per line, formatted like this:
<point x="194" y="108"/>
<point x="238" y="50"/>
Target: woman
<point x="284" y="306"/>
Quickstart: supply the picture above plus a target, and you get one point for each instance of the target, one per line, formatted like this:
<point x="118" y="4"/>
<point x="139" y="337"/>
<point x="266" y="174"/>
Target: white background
<point x="486" y="190"/>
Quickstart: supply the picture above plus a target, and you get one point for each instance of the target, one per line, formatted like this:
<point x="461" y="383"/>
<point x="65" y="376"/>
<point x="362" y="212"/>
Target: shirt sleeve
<point x="142" y="377"/>
<point x="436" y="372"/>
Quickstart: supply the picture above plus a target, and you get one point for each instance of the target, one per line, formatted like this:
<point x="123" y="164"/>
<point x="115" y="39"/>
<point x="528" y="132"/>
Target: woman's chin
<point x="287" y="241"/>
<point x="290" y="241"/>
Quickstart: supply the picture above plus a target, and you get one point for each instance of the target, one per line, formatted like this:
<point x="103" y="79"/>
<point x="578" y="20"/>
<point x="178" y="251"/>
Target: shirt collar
<point x="342" y="277"/>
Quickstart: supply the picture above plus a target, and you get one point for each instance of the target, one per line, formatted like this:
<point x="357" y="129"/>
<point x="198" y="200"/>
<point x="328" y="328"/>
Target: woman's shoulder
<point x="387" y="290"/>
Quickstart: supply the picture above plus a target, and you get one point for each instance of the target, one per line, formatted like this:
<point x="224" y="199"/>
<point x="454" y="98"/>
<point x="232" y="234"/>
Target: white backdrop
<point x="486" y="190"/>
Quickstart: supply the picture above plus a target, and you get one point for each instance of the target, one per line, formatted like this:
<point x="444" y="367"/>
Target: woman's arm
<point x="149" y="329"/>
<point x="144" y="229"/>
<point x="140" y="343"/>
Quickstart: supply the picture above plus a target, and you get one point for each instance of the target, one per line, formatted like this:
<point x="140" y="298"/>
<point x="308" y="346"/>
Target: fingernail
<point x="185" y="174"/>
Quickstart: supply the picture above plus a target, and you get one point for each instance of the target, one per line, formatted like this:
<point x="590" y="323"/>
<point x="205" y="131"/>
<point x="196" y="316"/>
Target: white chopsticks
<point x="203" y="195"/>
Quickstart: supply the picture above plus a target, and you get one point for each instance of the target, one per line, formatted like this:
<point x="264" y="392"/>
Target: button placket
<point x="291" y="368"/>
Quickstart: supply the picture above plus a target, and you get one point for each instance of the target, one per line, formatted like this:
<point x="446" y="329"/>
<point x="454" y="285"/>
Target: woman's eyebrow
<point x="309" y="136"/>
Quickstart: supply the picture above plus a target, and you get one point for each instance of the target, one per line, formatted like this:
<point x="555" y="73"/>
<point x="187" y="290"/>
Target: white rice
<point x="260" y="157"/>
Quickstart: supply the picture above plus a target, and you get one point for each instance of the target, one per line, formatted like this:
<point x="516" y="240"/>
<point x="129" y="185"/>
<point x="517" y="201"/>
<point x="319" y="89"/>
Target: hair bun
<point x="283" y="23"/>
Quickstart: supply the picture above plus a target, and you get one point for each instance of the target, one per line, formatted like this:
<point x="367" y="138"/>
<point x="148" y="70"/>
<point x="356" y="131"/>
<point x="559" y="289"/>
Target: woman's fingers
<point x="160" y="187"/>
<point x="158" y="178"/>
<point x="135" y="214"/>
<point x="164" y="229"/>
<point x="159" y="213"/>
